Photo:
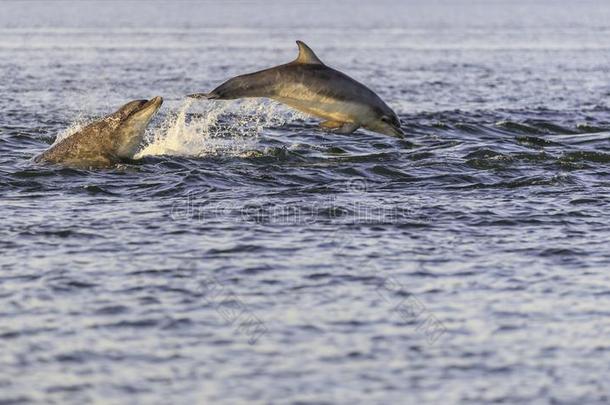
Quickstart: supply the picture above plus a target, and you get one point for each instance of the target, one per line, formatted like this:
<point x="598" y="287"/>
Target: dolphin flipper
<point x="347" y="128"/>
<point x="339" y="127"/>
<point x="331" y="124"/>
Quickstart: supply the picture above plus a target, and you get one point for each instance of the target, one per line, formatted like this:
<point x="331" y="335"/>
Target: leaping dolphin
<point x="106" y="142"/>
<point x="310" y="86"/>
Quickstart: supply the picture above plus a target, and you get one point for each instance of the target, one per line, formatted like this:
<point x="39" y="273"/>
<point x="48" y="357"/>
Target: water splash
<point x="221" y="128"/>
<point x="79" y="123"/>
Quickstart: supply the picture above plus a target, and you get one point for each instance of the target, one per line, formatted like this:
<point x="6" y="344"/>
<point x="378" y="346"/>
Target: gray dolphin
<point x="104" y="143"/>
<point x="310" y="86"/>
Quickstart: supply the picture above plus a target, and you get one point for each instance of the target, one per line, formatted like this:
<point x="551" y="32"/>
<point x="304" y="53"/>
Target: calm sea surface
<point x="248" y="257"/>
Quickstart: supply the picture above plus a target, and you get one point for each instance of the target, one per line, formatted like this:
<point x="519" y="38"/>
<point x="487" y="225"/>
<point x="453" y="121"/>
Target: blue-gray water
<point x="250" y="258"/>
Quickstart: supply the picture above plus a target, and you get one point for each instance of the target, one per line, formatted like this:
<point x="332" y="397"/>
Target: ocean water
<point x="248" y="257"/>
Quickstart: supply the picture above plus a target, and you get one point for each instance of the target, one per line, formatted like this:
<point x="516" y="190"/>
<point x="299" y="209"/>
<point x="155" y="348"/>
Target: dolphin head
<point x="133" y="118"/>
<point x="386" y="122"/>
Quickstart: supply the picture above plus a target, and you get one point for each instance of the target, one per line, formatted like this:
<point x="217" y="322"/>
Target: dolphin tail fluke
<point x="206" y="96"/>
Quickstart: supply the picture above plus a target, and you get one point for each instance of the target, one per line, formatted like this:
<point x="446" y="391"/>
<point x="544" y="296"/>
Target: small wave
<point x="517" y="127"/>
<point x="586" y="156"/>
<point x="535" y="142"/>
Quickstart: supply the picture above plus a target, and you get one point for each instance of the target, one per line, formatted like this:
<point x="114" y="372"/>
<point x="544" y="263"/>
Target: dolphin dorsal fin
<point x="306" y="55"/>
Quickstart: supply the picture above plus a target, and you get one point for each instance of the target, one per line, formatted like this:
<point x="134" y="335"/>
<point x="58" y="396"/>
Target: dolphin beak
<point x="151" y="105"/>
<point x="148" y="108"/>
<point x="382" y="126"/>
<point x="156" y="101"/>
<point x="397" y="132"/>
<point x="387" y="129"/>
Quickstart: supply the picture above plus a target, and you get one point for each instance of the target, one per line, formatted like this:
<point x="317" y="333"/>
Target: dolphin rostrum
<point x="105" y="142"/>
<point x="310" y="86"/>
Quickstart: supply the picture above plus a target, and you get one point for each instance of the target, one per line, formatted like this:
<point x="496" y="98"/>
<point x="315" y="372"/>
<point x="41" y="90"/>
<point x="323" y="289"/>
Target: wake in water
<point x="221" y="128"/>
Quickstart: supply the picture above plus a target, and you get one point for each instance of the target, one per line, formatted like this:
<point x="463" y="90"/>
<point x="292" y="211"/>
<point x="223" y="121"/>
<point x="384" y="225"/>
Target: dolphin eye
<point x="393" y="120"/>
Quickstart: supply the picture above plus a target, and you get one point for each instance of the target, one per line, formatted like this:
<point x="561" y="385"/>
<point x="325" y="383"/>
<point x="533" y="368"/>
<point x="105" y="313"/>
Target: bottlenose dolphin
<point x="310" y="86"/>
<point x="104" y="143"/>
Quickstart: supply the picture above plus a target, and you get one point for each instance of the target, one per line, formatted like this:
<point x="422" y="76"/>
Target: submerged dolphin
<point x="310" y="86"/>
<point x="103" y="143"/>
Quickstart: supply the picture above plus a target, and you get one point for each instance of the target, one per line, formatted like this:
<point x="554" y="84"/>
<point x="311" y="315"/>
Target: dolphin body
<point x="106" y="142"/>
<point x="310" y="86"/>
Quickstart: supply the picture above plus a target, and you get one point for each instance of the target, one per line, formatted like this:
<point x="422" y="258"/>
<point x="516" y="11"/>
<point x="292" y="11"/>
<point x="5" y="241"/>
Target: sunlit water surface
<point x="249" y="257"/>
